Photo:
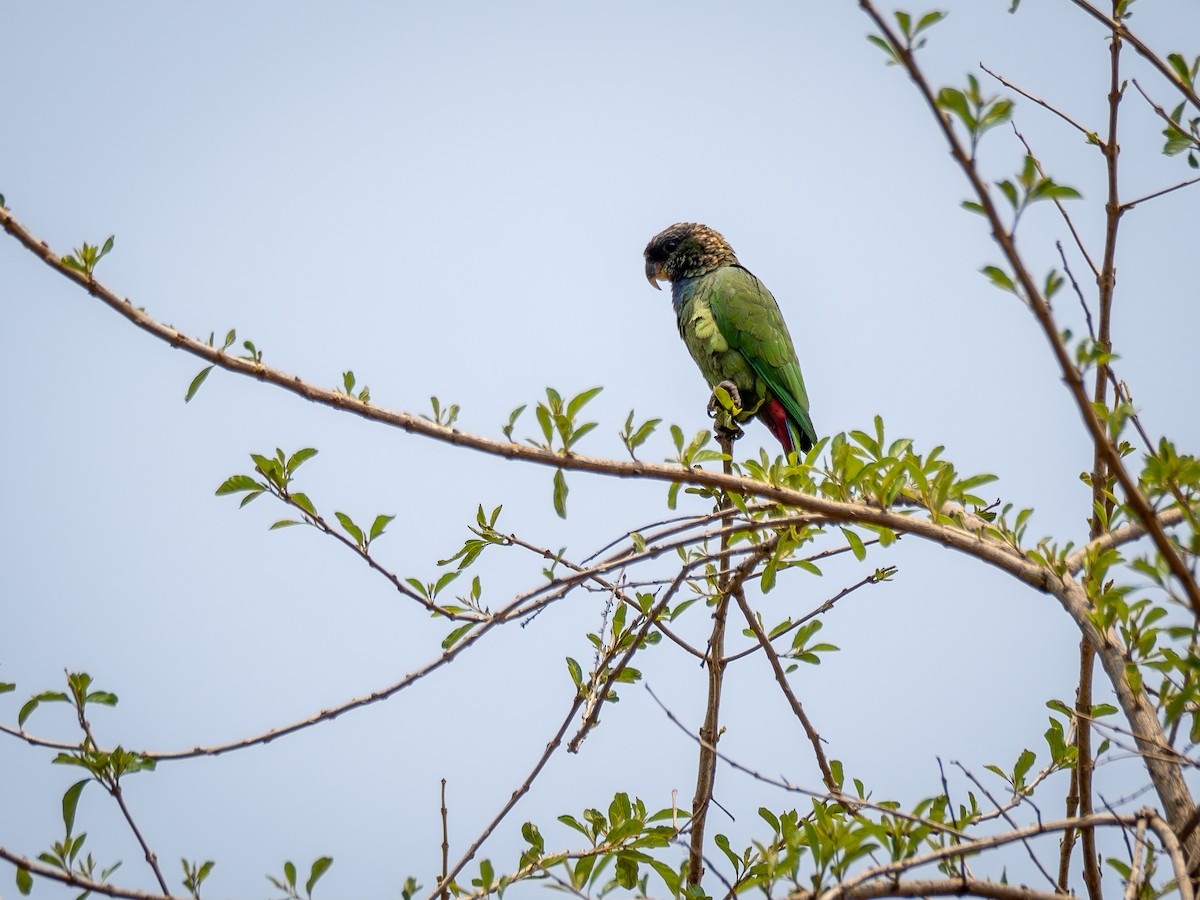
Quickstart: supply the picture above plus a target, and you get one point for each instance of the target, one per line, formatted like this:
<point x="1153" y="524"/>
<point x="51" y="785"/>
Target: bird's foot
<point x="724" y="407"/>
<point x="725" y="398"/>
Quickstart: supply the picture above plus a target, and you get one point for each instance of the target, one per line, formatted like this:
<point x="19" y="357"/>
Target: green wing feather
<point x="750" y="321"/>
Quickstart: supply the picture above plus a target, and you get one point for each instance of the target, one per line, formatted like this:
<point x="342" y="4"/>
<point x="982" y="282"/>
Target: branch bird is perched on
<point x="734" y="330"/>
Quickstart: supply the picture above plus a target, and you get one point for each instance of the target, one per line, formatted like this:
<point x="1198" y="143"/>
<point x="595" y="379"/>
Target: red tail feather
<point x="774" y="416"/>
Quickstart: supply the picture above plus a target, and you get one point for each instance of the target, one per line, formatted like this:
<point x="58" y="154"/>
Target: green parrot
<point x="734" y="330"/>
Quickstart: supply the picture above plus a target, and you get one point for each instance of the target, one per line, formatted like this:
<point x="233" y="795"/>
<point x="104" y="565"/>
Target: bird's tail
<point x="791" y="435"/>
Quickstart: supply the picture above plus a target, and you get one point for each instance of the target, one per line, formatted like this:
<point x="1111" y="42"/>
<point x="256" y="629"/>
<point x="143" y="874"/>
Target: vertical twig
<point x="710" y="731"/>
<point x="445" y="847"/>
<point x="1100" y="468"/>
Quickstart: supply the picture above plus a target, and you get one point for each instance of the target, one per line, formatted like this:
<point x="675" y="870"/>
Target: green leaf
<point x="5" y="687"/>
<point x="893" y="56"/>
<point x="952" y="100"/>
<point x="543" y="417"/>
<point x="302" y="501"/>
<point x="856" y="544"/>
<point x="24" y="879"/>
<point x="580" y="400"/>
<point x="1134" y="676"/>
<point x="299" y="458"/>
<point x="1009" y="190"/>
<point x="36" y="701"/>
<point x="454" y="636"/>
<point x="319" y="868"/>
<point x="512" y="421"/>
<point x="576" y="671"/>
<point x="196" y="382"/>
<point x="999" y="278"/>
<point x="284" y="523"/>
<point x="236" y="483"/>
<point x="351" y="529"/>
<point x="1024" y="764"/>
<point x="69" y="803"/>
<point x="928" y="19"/>
<point x="289" y="872"/>
<point x="560" y="493"/>
<point x="380" y="523"/>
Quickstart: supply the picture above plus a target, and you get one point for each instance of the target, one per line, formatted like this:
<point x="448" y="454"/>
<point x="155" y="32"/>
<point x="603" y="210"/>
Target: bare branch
<point x="781" y="680"/>
<point x="1086" y="132"/>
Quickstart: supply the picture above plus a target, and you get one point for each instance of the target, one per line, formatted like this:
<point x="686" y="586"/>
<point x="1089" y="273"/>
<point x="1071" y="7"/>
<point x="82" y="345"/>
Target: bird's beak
<point x="653" y="274"/>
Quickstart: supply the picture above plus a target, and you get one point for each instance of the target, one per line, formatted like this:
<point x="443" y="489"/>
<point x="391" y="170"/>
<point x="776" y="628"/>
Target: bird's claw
<point x="724" y="407"/>
<point x="717" y="403"/>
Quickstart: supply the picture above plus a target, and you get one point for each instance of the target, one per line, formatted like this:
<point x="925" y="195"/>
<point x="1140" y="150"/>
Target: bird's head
<point x="686" y="250"/>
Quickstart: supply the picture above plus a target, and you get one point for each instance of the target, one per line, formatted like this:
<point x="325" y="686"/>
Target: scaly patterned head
<point x="686" y="250"/>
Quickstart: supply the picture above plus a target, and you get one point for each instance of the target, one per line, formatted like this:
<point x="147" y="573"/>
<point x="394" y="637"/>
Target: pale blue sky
<point x="452" y="199"/>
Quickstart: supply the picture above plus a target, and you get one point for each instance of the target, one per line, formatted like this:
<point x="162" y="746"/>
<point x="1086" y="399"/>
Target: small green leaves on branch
<point x="79" y="697"/>
<point x="557" y="419"/>
<point x="486" y="535"/>
<point x="1000" y="279"/>
<point x="64" y="855"/>
<point x="690" y="456"/>
<point x="85" y="258"/>
<point x="617" y="839"/>
<point x="976" y="112"/>
<point x="287" y="884"/>
<point x="194" y="874"/>
<point x="634" y="437"/>
<point x="1031" y="186"/>
<point x="910" y="30"/>
<point x="512" y="421"/>
<point x="347" y="388"/>
<point x="444" y="416"/>
<point x="1182" y="135"/>
<point x="278" y="472"/>
<point x="230" y="337"/>
<point x="360" y="537"/>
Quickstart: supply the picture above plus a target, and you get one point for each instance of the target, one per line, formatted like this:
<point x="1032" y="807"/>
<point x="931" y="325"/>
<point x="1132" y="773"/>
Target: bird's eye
<point x="671" y="246"/>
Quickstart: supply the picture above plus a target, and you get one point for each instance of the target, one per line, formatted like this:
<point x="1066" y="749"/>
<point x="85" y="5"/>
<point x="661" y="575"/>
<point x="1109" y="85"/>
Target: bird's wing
<point x="750" y="321"/>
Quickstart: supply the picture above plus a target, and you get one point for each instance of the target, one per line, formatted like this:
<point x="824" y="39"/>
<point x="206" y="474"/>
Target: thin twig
<point x="1011" y="822"/>
<point x="836" y="797"/>
<point x="112" y="784"/>
<point x="825" y="607"/>
<point x="1062" y="211"/>
<point x="781" y="679"/>
<point x="445" y="880"/>
<point x="554" y="743"/>
<point x="1086" y="132"/>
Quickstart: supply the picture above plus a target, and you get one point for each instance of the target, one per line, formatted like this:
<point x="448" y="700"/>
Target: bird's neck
<point x="680" y="291"/>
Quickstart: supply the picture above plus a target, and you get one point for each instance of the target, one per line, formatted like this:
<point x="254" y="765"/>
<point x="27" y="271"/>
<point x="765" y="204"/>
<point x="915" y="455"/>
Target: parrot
<point x="733" y="329"/>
